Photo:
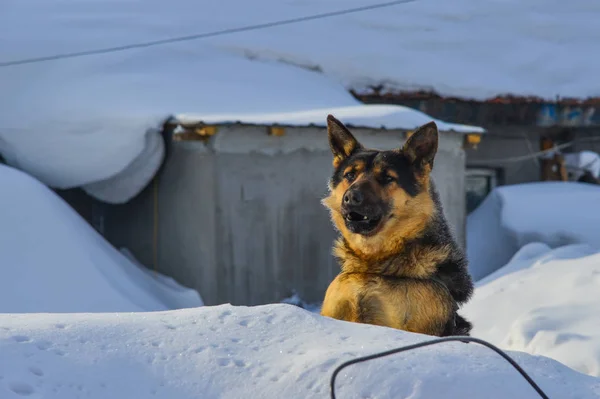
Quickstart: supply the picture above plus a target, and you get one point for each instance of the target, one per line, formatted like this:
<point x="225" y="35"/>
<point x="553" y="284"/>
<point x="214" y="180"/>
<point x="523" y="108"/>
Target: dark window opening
<point x="479" y="183"/>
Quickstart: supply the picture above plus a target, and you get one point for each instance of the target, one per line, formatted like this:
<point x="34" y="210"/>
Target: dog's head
<point x="380" y="199"/>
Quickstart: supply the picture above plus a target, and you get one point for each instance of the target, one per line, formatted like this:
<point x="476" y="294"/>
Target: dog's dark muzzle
<point x="362" y="214"/>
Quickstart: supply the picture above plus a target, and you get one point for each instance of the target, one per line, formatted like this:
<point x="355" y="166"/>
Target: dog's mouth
<point x="362" y="222"/>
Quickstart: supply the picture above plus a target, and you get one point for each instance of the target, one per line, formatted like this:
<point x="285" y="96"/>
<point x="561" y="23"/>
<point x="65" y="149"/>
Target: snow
<point x="534" y="250"/>
<point x="579" y="162"/>
<point x="131" y="180"/>
<point x="84" y="121"/>
<point x="553" y="213"/>
<point x="271" y="351"/>
<point x="469" y="48"/>
<point x="92" y="122"/>
<point x="105" y="120"/>
<point x="544" y="302"/>
<point x="367" y="116"/>
<point x="51" y="260"/>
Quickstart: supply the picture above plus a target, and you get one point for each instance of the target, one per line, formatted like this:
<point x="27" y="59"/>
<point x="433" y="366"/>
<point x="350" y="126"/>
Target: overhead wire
<point x="199" y="36"/>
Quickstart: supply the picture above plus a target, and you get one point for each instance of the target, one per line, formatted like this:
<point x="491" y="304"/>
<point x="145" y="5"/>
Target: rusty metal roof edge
<point x="425" y="95"/>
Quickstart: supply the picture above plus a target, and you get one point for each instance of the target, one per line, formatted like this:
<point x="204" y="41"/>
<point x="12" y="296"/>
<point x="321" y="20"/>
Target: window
<point x="479" y="183"/>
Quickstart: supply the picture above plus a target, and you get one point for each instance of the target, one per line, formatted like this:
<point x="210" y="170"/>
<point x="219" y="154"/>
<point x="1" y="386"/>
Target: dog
<point x="400" y="264"/>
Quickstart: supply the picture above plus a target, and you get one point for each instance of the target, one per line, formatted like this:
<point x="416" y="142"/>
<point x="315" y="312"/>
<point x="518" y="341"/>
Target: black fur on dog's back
<point x="453" y="271"/>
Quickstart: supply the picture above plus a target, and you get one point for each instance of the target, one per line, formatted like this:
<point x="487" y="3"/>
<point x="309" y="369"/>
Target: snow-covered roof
<point x="364" y="116"/>
<point x="82" y="121"/>
<point x="464" y="48"/>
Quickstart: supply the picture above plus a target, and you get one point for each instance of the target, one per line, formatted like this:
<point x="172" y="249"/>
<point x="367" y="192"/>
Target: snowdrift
<point x="543" y="302"/>
<point x="273" y="351"/>
<point x="51" y="260"/>
<point x="553" y="213"/>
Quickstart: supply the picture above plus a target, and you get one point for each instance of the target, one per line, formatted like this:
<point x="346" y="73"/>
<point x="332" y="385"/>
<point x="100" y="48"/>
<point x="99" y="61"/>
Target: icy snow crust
<point x="273" y="351"/>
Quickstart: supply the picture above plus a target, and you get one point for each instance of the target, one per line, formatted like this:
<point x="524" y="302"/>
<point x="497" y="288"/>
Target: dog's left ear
<point x="421" y="146"/>
<point x="341" y="141"/>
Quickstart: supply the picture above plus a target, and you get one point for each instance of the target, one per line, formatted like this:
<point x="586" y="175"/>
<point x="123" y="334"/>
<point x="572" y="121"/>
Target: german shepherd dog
<point x="400" y="264"/>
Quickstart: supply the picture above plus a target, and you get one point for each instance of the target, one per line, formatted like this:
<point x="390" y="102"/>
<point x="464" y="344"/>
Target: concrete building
<point x="235" y="211"/>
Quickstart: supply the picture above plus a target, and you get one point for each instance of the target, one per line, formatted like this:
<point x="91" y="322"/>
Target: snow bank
<point x="544" y="302"/>
<point x="51" y="260"/>
<point x="554" y="213"/>
<point x="273" y="351"/>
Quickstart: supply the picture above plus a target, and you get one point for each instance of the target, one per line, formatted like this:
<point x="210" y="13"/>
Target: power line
<point x="531" y="155"/>
<point x="538" y="154"/>
<point x="465" y="339"/>
<point x="201" y="35"/>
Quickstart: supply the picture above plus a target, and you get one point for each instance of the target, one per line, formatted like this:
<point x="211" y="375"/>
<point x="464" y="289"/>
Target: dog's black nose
<point x="353" y="198"/>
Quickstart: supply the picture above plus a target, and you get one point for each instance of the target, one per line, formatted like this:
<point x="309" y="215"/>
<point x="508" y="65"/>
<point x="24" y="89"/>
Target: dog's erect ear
<point x="341" y="141"/>
<point x="421" y="146"/>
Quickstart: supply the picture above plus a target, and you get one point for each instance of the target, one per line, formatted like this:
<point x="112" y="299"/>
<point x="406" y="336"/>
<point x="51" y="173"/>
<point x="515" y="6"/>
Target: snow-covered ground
<point x="61" y="338"/>
<point x="535" y="251"/>
<point x="273" y="351"/>
<point x="554" y="213"/>
<point x="544" y="302"/>
<point x="51" y="260"/>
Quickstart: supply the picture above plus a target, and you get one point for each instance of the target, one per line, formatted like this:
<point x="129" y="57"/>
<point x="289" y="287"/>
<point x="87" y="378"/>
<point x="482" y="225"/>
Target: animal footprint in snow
<point x="21" y="388"/>
<point x="36" y="371"/>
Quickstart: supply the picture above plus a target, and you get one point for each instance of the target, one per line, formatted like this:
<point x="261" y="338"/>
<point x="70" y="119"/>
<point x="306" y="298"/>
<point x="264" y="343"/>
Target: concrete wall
<point x="509" y="142"/>
<point x="500" y="143"/>
<point x="240" y="218"/>
<point x="585" y="139"/>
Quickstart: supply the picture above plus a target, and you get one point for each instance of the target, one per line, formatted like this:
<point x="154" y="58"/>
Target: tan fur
<point x="349" y="147"/>
<point x="421" y="306"/>
<point x="408" y="219"/>
<point x="337" y="161"/>
<point x="395" y="293"/>
<point x="417" y="262"/>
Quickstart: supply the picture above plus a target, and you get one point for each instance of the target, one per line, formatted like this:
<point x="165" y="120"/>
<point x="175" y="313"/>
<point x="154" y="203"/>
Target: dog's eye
<point x="350" y="176"/>
<point x="388" y="179"/>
